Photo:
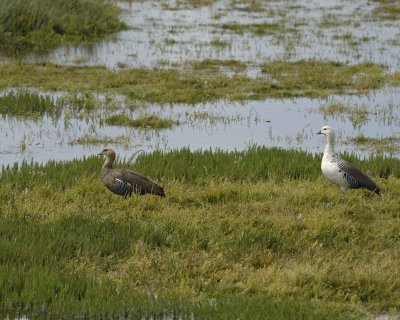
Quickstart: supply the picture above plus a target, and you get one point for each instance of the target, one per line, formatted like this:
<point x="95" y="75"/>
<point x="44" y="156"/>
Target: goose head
<point x="108" y="152"/>
<point x="327" y="131"/>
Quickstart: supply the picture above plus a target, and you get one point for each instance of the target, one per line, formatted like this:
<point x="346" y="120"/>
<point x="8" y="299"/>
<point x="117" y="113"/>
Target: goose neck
<point x="330" y="145"/>
<point x="109" y="162"/>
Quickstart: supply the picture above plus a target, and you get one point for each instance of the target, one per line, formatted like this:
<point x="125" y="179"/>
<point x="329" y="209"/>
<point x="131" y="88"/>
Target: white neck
<point x="330" y="146"/>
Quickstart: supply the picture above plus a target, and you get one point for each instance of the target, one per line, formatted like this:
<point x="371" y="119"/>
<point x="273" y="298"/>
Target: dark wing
<point x="139" y="183"/>
<point x="123" y="188"/>
<point x="355" y="177"/>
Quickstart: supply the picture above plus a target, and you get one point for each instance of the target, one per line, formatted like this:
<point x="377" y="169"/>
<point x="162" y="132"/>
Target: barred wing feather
<point x="355" y="177"/>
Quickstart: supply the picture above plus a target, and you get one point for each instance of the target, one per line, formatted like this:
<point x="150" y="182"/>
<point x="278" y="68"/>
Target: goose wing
<point x="135" y="182"/>
<point x="355" y="177"/>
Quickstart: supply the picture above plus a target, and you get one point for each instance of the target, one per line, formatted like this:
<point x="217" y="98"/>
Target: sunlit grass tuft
<point x="96" y="139"/>
<point x="143" y="121"/>
<point x="40" y="23"/>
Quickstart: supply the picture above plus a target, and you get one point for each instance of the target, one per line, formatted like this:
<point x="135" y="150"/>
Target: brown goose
<point x="125" y="181"/>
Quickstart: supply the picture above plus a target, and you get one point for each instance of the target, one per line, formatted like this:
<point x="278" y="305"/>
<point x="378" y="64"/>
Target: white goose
<point x="340" y="171"/>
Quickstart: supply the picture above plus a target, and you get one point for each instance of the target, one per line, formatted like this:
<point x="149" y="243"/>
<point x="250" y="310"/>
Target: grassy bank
<point x="309" y="78"/>
<point x="38" y="23"/>
<point x="220" y="244"/>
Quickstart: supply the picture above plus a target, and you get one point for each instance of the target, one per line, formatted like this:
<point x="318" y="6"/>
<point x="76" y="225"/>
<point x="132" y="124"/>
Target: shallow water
<point x="286" y="123"/>
<point x="163" y="33"/>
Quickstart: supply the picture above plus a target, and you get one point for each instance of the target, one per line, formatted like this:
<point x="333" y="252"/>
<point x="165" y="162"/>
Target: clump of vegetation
<point x="358" y="115"/>
<point x="334" y="109"/>
<point x="330" y="21"/>
<point x="219" y="43"/>
<point x="46" y="22"/>
<point x="387" y="9"/>
<point x="143" y="121"/>
<point x="314" y="77"/>
<point x="181" y="4"/>
<point x="347" y="37"/>
<point x="281" y="79"/>
<point x="207" y="65"/>
<point x="277" y="243"/>
<point x="30" y="104"/>
<point x="82" y="101"/>
<point x="389" y="145"/>
<point x="95" y="139"/>
<point x="258" y="29"/>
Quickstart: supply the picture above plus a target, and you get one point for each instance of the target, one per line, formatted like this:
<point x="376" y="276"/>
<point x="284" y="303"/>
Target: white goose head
<point x="327" y="131"/>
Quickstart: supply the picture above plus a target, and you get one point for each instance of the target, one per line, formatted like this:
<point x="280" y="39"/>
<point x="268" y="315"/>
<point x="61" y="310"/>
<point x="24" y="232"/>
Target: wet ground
<point x="170" y="34"/>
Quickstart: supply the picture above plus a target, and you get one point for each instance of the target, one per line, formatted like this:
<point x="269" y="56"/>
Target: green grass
<point x="96" y="139"/>
<point x="41" y="23"/>
<point x="29" y="104"/>
<point x="236" y="237"/>
<point x="25" y="103"/>
<point x="142" y="121"/>
<point x="313" y="77"/>
<point x="213" y="65"/>
<point x="254" y="164"/>
<point x="310" y="78"/>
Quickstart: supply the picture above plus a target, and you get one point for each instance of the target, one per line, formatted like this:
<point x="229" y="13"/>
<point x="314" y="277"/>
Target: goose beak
<point x="319" y="132"/>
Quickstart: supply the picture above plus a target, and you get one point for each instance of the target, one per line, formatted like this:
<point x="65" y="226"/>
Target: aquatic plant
<point x="389" y="145"/>
<point x="258" y="29"/>
<point x="30" y="104"/>
<point x="143" y="121"/>
<point x="88" y="139"/>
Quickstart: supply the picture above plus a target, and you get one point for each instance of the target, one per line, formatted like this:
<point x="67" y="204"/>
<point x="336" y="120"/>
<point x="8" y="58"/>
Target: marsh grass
<point x="258" y="29"/>
<point x="389" y="145"/>
<point x="387" y="9"/>
<point x="29" y="104"/>
<point x="96" y="139"/>
<point x="358" y="114"/>
<point x="34" y="104"/>
<point x="313" y="77"/>
<point x="41" y="23"/>
<point x="218" y="43"/>
<point x="334" y="109"/>
<point x="143" y="121"/>
<point x="208" y="65"/>
<point x="254" y="164"/>
<point x="310" y="78"/>
<point x="219" y="245"/>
